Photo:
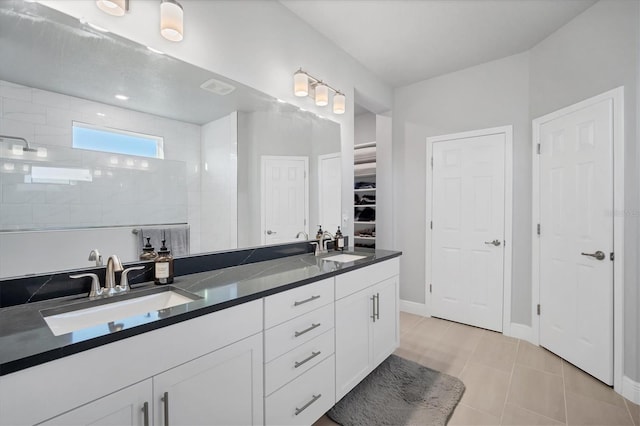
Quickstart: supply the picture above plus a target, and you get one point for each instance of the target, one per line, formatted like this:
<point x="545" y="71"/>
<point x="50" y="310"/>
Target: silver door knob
<point x="494" y="242"/>
<point x="269" y="232"/>
<point x="598" y="255"/>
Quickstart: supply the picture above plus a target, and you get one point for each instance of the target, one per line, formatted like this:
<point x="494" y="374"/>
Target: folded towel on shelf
<point x="367" y="199"/>
<point x="366" y="214"/>
<point x="177" y="238"/>
<point x="364" y="155"/>
<point x="364" y="169"/>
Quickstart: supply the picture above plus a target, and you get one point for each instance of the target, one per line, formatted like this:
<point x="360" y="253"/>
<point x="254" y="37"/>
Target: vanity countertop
<point x="26" y="340"/>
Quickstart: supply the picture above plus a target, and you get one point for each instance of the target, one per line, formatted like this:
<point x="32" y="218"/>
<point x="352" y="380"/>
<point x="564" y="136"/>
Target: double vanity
<point x="278" y="341"/>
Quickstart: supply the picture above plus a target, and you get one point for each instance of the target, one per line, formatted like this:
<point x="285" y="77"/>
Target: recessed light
<point x="122" y="97"/>
<point x="159" y="52"/>
<point x="281" y="101"/>
<point x="101" y="114"/>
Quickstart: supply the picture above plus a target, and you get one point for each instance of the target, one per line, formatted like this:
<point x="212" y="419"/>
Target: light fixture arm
<point x="315" y="81"/>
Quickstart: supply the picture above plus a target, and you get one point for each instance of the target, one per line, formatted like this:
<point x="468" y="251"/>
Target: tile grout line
<point x="464" y="367"/>
<point x="506" y="396"/>
<point x="564" y="393"/>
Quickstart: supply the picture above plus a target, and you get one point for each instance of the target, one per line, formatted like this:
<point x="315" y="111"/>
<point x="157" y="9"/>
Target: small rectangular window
<point x="95" y="138"/>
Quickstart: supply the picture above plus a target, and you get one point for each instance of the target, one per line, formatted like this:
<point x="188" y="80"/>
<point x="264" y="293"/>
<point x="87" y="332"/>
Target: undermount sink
<point x="67" y="319"/>
<point x="344" y="258"/>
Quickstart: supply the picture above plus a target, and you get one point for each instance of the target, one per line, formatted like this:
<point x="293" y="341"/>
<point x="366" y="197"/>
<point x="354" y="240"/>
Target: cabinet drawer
<point x="301" y="359"/>
<point x="354" y="281"/>
<point x="295" y="302"/>
<point x="284" y="337"/>
<point x="304" y="400"/>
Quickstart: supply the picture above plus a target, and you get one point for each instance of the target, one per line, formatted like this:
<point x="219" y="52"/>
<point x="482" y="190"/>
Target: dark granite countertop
<point x="26" y="340"/>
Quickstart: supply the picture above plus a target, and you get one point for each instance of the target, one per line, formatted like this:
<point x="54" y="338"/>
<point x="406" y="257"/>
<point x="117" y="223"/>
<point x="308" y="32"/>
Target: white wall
<point x="596" y="52"/>
<point x="489" y="95"/>
<point x="364" y="128"/>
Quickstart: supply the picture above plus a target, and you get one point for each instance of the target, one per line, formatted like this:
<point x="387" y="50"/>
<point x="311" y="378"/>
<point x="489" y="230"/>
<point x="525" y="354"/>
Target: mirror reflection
<point x="105" y="141"/>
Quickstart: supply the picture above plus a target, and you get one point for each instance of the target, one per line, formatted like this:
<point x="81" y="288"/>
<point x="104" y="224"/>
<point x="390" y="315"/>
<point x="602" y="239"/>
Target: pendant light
<point x="300" y="83"/>
<point x="113" y="7"/>
<point x="322" y="94"/>
<point x="339" y="103"/>
<point x="171" y="20"/>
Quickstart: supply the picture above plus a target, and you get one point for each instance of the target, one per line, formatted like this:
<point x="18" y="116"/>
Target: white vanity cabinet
<point x="299" y="354"/>
<point x="367" y="321"/>
<point x="211" y="367"/>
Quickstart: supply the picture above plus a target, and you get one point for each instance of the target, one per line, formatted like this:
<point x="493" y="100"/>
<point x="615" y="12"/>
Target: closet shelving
<point x="365" y="195"/>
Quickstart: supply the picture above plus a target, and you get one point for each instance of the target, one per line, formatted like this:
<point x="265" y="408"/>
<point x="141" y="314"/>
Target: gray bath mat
<point x="399" y="392"/>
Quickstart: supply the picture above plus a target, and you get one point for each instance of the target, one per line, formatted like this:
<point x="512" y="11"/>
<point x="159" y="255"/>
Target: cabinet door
<point x="353" y="353"/>
<point x="220" y="388"/>
<point x="122" y="408"/>
<point x="385" y="333"/>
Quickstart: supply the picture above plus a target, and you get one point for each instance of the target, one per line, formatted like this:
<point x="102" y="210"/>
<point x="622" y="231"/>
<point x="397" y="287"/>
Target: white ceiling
<point x="406" y="41"/>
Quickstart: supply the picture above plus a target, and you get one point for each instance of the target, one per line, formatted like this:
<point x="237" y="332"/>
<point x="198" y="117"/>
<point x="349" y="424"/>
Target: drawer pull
<point x="309" y="358"/>
<point x="305" y="406"/>
<point x="300" y="333"/>
<point x="378" y="306"/>
<point x="302" y="302"/>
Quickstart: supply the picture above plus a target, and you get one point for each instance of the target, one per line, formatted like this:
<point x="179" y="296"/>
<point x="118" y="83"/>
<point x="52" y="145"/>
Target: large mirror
<point x="105" y="141"/>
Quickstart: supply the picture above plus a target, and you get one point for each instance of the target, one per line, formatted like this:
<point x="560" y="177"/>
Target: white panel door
<point x="330" y="191"/>
<point x="468" y="230"/>
<point x="285" y="202"/>
<point x="576" y="238"/>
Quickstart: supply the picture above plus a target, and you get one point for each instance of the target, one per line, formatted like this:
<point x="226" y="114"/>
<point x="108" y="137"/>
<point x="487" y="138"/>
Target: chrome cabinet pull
<point x="494" y="242"/>
<point x="598" y="255"/>
<point x="378" y="306"/>
<point x="373" y="300"/>
<point x="305" y="406"/>
<point x="307" y="359"/>
<point x="165" y="400"/>
<point x="300" y="333"/>
<point x="302" y="302"/>
<point x="145" y="413"/>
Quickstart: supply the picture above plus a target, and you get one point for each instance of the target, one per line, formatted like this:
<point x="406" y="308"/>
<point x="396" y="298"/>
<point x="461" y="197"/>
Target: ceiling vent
<point x="218" y="87"/>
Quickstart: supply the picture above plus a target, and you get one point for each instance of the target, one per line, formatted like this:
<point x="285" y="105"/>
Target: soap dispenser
<point x="319" y="235"/>
<point x="339" y="241"/>
<point x="148" y="253"/>
<point x="163" y="268"/>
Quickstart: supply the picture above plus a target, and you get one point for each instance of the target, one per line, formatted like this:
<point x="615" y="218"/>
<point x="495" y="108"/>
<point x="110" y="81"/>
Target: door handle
<point x="598" y="255"/>
<point x="494" y="242"/>
<point x="269" y="232"/>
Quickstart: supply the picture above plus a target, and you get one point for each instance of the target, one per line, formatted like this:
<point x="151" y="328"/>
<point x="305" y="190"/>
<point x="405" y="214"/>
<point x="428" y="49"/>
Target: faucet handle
<point x="96" y="290"/>
<point x="124" y="278"/>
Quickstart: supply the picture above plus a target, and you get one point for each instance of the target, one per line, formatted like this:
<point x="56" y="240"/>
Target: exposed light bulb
<point x="322" y="94"/>
<point x="171" y="20"/>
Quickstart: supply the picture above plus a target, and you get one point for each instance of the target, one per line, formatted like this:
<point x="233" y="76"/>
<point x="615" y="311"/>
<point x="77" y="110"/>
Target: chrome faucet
<point x="306" y="236"/>
<point x="113" y="265"/>
<point x="325" y="242"/>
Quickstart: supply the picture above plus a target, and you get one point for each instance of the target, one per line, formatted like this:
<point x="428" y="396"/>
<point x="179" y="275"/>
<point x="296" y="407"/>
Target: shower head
<point x="25" y="148"/>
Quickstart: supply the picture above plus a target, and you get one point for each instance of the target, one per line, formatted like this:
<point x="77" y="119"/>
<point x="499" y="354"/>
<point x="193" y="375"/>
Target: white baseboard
<point x="414" y="308"/>
<point x="631" y="390"/>
<point x="521" y="331"/>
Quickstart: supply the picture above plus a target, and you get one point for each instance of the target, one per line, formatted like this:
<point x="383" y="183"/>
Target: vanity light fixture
<point x="303" y="82"/>
<point x="113" y="7"/>
<point x="171" y="20"/>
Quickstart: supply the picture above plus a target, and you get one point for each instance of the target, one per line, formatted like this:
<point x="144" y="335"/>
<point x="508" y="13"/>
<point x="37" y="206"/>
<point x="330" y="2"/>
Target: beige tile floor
<point x="509" y="381"/>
